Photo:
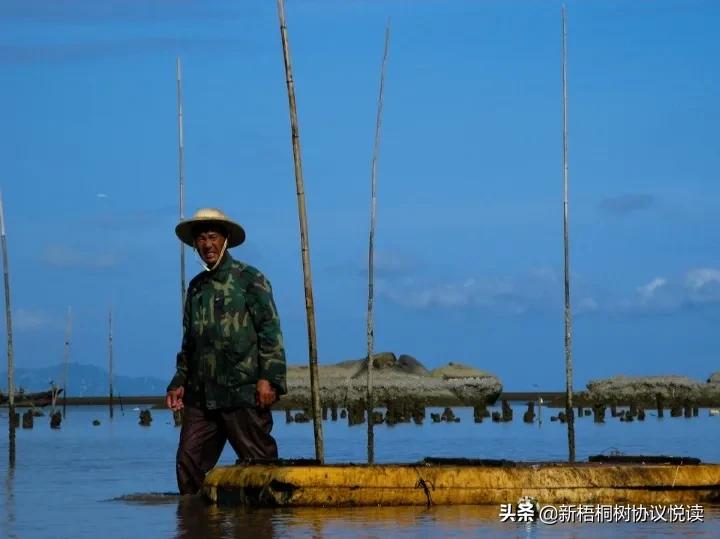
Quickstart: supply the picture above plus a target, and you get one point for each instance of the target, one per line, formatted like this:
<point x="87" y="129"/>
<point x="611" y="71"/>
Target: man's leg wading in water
<point x="204" y="434"/>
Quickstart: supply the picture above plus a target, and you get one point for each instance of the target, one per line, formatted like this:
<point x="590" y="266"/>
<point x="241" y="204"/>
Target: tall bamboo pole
<point x="371" y="256"/>
<point x="66" y="359"/>
<point x="110" y="362"/>
<point x="566" y="237"/>
<point x="181" y="178"/>
<point x="304" y="239"/>
<point x="8" y="325"/>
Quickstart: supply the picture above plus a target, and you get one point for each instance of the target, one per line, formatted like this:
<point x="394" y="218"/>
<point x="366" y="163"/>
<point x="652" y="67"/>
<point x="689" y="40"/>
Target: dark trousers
<point x="203" y="436"/>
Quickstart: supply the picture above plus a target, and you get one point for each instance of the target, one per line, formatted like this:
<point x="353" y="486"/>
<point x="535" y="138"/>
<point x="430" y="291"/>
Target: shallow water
<point x="117" y="480"/>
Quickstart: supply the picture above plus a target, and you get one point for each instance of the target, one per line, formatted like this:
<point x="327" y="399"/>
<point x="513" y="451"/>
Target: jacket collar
<point x="221" y="272"/>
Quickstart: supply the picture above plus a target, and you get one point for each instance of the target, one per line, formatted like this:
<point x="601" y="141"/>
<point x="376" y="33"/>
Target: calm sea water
<point x="107" y="481"/>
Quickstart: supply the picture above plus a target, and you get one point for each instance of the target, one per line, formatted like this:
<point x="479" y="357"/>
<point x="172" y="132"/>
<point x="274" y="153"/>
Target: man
<point x="231" y="367"/>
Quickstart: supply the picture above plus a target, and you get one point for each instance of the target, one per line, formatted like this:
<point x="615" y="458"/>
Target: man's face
<point x="209" y="244"/>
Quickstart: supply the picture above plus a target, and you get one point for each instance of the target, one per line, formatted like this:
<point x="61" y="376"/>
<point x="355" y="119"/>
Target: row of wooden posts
<point x="28" y="418"/>
<point x="414" y="411"/>
<point x="407" y="411"/>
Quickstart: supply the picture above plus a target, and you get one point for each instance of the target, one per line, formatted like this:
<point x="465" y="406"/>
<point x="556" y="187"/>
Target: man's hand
<point x="174" y="398"/>
<point x="265" y="395"/>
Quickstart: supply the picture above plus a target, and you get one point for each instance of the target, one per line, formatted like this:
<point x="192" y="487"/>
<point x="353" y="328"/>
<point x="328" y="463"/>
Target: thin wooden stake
<point x="371" y="256"/>
<point x="110" y="362"/>
<point x="8" y="325"/>
<point x="566" y="237"/>
<point x="181" y="179"/>
<point x="66" y="359"/>
<point x="54" y="391"/>
<point x="304" y="239"/>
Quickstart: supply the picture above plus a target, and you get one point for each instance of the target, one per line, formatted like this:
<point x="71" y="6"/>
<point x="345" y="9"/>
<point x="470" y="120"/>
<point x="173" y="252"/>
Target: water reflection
<point x="8" y="520"/>
<point x="69" y="482"/>
<point x="459" y="521"/>
<point x="196" y="519"/>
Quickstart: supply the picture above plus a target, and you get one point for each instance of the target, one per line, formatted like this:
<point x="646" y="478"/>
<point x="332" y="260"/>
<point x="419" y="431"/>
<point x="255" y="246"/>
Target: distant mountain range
<point x="83" y="381"/>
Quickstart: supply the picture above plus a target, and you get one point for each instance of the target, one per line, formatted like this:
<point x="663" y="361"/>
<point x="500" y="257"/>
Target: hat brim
<point x="235" y="233"/>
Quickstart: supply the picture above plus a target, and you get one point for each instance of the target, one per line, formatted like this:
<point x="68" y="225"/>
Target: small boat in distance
<point x="42" y="398"/>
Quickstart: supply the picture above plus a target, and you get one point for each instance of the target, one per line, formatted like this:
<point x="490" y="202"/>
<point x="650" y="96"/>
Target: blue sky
<point x="469" y="230"/>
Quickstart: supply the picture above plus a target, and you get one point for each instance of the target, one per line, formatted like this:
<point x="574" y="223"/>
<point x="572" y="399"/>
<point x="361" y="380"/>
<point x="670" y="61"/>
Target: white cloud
<point x="32" y="319"/>
<point x="703" y="285"/>
<point x="587" y="305"/>
<point x="697" y="278"/>
<point x="534" y="290"/>
<point x="391" y="262"/>
<point x="648" y="290"/>
<point x="698" y="286"/>
<point x="541" y="289"/>
<point x="65" y="256"/>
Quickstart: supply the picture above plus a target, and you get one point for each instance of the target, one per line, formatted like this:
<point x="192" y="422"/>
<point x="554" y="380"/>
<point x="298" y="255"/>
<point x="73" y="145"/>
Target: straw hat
<point x="235" y="233"/>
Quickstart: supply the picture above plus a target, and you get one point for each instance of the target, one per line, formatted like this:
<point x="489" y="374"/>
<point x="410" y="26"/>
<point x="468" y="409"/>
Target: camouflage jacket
<point x="231" y="338"/>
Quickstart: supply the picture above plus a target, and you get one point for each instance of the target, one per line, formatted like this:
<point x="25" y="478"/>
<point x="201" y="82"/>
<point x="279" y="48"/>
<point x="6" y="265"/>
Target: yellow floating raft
<point x="448" y="484"/>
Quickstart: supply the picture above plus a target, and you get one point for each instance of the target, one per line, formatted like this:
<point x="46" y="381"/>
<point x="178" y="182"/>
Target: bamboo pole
<point x="181" y="178"/>
<point x="66" y="358"/>
<point x="566" y="242"/>
<point x="304" y="239"/>
<point x="8" y="325"/>
<point x="110" y="362"/>
<point x="371" y="256"/>
<point x="54" y="391"/>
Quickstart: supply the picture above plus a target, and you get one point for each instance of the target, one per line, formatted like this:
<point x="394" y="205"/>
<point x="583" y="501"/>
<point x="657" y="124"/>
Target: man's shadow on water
<point x="198" y="519"/>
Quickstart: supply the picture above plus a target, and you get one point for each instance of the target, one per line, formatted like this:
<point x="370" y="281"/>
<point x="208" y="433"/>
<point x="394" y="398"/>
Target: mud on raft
<point x="462" y="482"/>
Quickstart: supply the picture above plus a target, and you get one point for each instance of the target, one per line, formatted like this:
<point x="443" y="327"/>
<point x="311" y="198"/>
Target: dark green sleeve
<point x="271" y="351"/>
<point x="183" y="356"/>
